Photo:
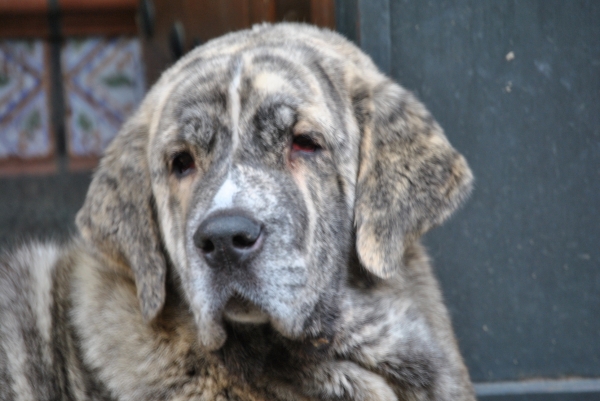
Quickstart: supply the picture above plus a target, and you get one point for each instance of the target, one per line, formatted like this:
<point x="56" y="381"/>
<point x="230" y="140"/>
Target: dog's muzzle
<point x="228" y="240"/>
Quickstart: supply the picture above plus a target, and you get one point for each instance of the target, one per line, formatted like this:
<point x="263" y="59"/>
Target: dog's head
<point x="256" y="167"/>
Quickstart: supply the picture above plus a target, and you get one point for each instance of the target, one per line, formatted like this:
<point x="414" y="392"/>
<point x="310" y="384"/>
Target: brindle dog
<point x="252" y="233"/>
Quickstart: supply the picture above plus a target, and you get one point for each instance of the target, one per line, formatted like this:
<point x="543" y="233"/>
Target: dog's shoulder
<point x="41" y="356"/>
<point x="26" y="276"/>
<point x="26" y="319"/>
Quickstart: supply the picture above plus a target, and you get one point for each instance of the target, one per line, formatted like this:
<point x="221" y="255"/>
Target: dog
<point x="252" y="233"/>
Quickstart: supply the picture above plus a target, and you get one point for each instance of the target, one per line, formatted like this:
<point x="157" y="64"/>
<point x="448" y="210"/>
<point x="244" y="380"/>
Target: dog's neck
<point x="113" y="333"/>
<point x="255" y="353"/>
<point x="254" y="359"/>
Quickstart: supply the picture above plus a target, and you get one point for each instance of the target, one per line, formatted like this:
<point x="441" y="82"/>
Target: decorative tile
<point x="104" y="83"/>
<point x="25" y="132"/>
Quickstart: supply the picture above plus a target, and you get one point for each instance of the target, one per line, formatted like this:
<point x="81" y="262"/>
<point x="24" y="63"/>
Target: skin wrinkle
<point x="285" y="66"/>
<point x="203" y="80"/>
<point x="211" y="100"/>
<point x="234" y="102"/>
<point x="272" y="63"/>
<point x="328" y="87"/>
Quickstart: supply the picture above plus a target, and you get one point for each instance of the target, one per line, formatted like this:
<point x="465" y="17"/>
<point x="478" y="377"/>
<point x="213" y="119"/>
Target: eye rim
<point x="183" y="164"/>
<point x="305" y="143"/>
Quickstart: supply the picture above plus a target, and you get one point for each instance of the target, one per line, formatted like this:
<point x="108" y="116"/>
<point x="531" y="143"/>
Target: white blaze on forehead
<point x="224" y="196"/>
<point x="234" y="105"/>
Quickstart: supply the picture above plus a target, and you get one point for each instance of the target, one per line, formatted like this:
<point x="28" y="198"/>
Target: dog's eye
<point x="304" y="143"/>
<point x="183" y="164"/>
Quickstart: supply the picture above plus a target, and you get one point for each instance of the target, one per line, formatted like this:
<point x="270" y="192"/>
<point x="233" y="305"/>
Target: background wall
<point x="516" y="85"/>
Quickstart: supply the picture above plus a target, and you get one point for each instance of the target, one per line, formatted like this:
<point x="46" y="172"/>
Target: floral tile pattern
<point x="24" y="108"/>
<point x="104" y="82"/>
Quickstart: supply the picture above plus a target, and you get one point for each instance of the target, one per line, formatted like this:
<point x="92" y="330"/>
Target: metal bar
<point x="56" y="93"/>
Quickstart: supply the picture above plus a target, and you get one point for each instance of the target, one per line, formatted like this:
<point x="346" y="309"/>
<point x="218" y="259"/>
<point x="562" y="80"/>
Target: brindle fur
<point x="130" y="311"/>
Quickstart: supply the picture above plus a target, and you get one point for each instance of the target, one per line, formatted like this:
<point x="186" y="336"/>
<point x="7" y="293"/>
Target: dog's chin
<point x="243" y="314"/>
<point x="239" y="310"/>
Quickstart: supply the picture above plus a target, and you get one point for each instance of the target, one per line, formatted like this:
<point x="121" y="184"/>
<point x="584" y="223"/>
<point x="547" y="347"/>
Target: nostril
<point x="244" y="240"/>
<point x="207" y="246"/>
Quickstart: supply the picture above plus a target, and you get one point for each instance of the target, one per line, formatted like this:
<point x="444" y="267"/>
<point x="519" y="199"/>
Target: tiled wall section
<point x="104" y="82"/>
<point x="25" y="130"/>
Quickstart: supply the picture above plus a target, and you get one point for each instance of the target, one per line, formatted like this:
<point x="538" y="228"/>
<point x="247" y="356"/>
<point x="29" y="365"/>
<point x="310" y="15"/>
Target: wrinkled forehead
<point x="233" y="90"/>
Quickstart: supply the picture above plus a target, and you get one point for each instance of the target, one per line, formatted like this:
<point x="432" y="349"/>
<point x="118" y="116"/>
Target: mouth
<point x="240" y="310"/>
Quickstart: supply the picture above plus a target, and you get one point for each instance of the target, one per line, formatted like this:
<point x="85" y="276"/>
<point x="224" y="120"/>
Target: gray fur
<point x="339" y="303"/>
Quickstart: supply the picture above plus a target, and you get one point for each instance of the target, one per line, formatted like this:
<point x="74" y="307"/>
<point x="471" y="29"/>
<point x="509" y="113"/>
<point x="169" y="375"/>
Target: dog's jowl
<point x="252" y="233"/>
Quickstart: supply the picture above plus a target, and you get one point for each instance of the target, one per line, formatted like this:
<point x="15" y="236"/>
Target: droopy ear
<point x="410" y="177"/>
<point x="119" y="215"/>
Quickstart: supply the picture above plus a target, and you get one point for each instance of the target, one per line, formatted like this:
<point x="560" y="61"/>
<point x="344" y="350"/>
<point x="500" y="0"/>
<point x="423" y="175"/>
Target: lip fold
<point x="241" y="310"/>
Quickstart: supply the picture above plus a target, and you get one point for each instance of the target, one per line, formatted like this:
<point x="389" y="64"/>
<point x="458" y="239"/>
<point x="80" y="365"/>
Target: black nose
<point x="228" y="239"/>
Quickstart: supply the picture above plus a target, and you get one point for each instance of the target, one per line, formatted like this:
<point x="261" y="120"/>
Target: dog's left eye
<point x="304" y="143"/>
<point x="183" y="164"/>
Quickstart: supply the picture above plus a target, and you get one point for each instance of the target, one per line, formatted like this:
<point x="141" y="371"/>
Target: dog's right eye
<point x="304" y="143"/>
<point x="183" y="164"/>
